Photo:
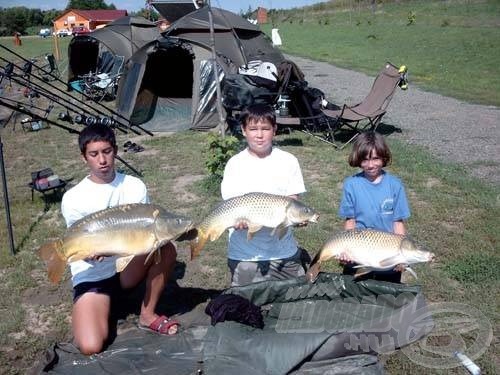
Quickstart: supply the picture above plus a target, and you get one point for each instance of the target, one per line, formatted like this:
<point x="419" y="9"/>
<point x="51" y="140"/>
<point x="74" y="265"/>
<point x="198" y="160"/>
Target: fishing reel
<point x="92" y="120"/>
<point x="64" y="116"/>
<point x="403" y="79"/>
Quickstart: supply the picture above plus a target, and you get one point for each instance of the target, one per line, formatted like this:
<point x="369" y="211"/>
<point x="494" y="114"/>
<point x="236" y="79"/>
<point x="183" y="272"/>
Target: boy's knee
<point x="90" y="346"/>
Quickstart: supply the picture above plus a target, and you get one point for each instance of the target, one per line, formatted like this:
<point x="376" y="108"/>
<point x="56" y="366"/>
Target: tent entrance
<point x="167" y="89"/>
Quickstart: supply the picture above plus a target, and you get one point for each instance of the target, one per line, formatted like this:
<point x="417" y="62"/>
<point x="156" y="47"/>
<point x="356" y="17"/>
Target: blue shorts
<point x="110" y="287"/>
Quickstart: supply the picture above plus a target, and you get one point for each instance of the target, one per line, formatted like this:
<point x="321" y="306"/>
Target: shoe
<point x="162" y="326"/>
<point x="128" y="146"/>
<point x="136" y="148"/>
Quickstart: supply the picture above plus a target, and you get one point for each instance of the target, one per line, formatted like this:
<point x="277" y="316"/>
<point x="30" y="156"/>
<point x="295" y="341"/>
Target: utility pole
<point x="57" y="55"/>
<point x="222" y="128"/>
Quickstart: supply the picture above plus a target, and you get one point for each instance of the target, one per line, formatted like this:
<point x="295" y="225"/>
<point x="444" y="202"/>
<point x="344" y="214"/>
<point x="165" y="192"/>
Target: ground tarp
<point x="335" y="325"/>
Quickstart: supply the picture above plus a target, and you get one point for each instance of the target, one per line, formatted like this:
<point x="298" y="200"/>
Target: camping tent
<point x="170" y="83"/>
<point x="122" y="37"/>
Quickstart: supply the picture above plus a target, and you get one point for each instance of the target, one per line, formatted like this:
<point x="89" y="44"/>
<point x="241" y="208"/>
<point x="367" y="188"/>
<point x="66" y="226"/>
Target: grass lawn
<point x="451" y="47"/>
<point x="455" y="216"/>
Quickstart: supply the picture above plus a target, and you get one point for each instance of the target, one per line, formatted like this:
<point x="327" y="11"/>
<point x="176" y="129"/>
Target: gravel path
<point x="452" y="130"/>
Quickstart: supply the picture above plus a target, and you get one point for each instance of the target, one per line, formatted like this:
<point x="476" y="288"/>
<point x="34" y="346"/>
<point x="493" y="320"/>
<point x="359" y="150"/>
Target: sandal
<point x="136" y="148"/>
<point x="162" y="325"/>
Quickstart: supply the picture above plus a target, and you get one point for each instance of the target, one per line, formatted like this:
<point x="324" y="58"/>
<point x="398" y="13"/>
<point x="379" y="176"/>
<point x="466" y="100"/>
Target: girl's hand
<point x="344" y="258"/>
<point x="96" y="258"/>
<point x="400" y="268"/>
<point x="242" y="224"/>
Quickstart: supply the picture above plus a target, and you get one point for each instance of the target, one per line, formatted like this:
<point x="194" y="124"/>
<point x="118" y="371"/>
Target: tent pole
<point x="6" y="199"/>
<point x="222" y="129"/>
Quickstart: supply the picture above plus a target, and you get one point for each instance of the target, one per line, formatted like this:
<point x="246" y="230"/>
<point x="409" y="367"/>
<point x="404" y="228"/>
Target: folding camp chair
<point x="367" y="114"/>
<point x="103" y="85"/>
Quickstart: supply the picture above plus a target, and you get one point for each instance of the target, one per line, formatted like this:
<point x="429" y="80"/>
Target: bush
<point x="219" y="151"/>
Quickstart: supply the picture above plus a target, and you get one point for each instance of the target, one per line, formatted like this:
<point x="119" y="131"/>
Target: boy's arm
<point x="349" y="224"/>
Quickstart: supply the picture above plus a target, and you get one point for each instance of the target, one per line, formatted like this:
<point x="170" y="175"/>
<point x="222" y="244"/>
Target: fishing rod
<point x="65" y="83"/>
<point x="36" y="117"/>
<point x="26" y="82"/>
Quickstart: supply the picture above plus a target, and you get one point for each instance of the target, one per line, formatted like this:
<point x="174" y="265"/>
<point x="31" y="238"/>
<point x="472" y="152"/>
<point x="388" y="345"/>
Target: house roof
<point x="98" y="15"/>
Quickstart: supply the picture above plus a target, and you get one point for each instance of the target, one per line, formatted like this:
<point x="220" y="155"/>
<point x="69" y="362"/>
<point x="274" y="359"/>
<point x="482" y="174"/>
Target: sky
<point x="134" y="5"/>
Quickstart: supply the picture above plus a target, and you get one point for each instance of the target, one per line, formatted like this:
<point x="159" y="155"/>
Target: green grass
<point x="452" y="47"/>
<point x="34" y="46"/>
<point x="453" y="214"/>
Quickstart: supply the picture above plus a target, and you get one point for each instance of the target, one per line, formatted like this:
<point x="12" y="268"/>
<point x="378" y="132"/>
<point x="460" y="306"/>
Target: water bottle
<point x="467" y="363"/>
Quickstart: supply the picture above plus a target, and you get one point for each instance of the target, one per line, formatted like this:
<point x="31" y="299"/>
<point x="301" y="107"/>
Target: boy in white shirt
<point x="95" y="281"/>
<point x="262" y="168"/>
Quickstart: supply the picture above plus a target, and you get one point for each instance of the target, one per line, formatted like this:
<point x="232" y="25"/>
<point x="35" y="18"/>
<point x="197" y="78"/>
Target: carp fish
<point x="371" y="249"/>
<point x="125" y="231"/>
<point x="258" y="210"/>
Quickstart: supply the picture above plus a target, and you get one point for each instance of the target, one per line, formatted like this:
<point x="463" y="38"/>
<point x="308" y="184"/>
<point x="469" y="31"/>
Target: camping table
<point x="56" y="190"/>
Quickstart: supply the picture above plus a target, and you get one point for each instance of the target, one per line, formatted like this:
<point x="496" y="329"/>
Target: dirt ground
<point x="452" y="130"/>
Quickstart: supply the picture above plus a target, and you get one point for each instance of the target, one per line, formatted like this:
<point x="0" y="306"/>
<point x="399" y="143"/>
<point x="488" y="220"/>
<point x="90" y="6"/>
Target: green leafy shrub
<point x="412" y="16"/>
<point x="219" y="151"/>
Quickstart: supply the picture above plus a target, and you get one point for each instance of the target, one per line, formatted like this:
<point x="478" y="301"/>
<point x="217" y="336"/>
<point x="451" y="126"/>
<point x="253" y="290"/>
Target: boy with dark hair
<point x="262" y="168"/>
<point x="95" y="281"/>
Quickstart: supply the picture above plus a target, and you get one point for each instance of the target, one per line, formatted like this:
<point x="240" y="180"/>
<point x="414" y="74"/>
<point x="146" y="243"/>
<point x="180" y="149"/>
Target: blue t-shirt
<point x="374" y="205"/>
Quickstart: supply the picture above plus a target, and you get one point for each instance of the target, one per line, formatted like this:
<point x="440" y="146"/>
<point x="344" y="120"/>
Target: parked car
<point x="80" y="30"/>
<point x="63" y="32"/>
<point x="44" y="33"/>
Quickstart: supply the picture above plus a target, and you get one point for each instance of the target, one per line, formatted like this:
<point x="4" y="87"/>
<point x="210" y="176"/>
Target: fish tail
<point x="198" y="243"/>
<point x="56" y="265"/>
<point x="314" y="268"/>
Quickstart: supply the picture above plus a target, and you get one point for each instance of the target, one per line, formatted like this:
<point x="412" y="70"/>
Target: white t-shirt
<point x="279" y="173"/>
<point x="88" y="197"/>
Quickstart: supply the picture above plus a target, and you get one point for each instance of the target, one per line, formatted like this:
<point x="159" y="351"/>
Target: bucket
<point x="76" y="85"/>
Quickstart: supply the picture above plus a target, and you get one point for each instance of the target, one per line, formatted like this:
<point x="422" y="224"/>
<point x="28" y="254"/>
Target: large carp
<point x="125" y="230"/>
<point x="371" y="249"/>
<point x="257" y="210"/>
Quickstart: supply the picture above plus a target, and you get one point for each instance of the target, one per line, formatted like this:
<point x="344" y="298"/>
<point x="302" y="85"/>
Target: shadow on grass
<point x="29" y="232"/>
<point x="387" y="129"/>
<point x="174" y="299"/>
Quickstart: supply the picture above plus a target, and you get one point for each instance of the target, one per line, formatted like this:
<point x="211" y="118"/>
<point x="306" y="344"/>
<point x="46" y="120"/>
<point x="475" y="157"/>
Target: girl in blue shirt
<point x="373" y="198"/>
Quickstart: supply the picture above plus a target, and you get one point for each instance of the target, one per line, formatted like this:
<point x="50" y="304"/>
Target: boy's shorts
<point x="246" y="272"/>
<point x="110" y="287"/>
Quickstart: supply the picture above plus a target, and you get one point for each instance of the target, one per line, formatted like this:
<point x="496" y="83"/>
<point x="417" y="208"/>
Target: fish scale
<point x="125" y="231"/>
<point x="257" y="210"/>
<point x="371" y="250"/>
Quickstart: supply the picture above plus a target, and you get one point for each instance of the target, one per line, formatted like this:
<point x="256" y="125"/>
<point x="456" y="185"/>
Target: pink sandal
<point x="162" y="326"/>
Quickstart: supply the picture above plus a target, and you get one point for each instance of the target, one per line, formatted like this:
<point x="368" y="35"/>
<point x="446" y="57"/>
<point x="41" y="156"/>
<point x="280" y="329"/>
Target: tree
<point x="149" y="14"/>
<point x="89" y="4"/>
<point x="15" y="20"/>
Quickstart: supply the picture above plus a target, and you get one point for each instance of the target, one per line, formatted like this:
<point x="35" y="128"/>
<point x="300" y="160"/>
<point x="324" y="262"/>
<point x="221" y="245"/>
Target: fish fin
<point x="280" y="231"/>
<point x="252" y="229"/>
<point x="391" y="261"/>
<point x="313" y="272"/>
<point x="123" y="262"/>
<point x="198" y="243"/>
<point x="153" y="253"/>
<point x="56" y="264"/>
<point x="215" y="234"/>
<point x="410" y="270"/>
<point x="362" y="271"/>
<point x="314" y="268"/>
